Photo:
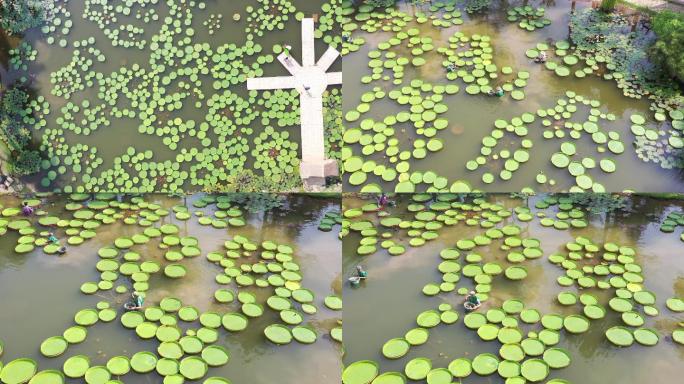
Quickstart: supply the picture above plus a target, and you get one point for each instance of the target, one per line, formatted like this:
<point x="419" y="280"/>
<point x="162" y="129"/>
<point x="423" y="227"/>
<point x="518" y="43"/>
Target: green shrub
<point x="16" y="16"/>
<point x="27" y="163"/>
<point x="608" y="5"/>
<point x="669" y="27"/>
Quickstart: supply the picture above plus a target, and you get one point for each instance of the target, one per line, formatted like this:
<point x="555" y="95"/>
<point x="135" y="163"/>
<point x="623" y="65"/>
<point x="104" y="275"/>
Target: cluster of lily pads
<point x="186" y="339"/>
<point x="178" y="74"/>
<point x="476" y="6"/>
<point x="625" y="55"/>
<point x="331" y="219"/>
<point x="526" y="336"/>
<point x="468" y="58"/>
<point x="672" y="221"/>
<point x="660" y="145"/>
<point x="22" y="56"/>
<point x="213" y="23"/>
<point x="116" y="22"/>
<point x="663" y="145"/>
<point x="275" y="155"/>
<point x="76" y="75"/>
<point x="528" y="17"/>
<point x="59" y="22"/>
<point x="558" y="123"/>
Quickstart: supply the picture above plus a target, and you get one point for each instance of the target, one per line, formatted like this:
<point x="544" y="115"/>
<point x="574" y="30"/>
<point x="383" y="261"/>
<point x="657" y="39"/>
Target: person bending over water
<point x="51" y="238"/>
<point x="26" y="209"/>
<point x="382" y="201"/>
<point x="498" y="91"/>
<point x="541" y="58"/>
<point x="137" y="301"/>
<point x="472" y="302"/>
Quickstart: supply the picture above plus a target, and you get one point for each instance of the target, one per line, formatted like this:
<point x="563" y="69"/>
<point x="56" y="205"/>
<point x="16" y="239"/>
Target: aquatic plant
<point x="467" y="58"/>
<point x="275" y="155"/>
<point x="329" y="220"/>
<point x="475" y="6"/>
<point x="22" y="56"/>
<point x="528" y="18"/>
<point x="556" y="120"/>
<point x="15" y="131"/>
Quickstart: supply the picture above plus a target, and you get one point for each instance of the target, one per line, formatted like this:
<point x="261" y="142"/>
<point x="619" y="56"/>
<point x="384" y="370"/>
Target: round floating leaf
<point x="143" y="362"/>
<point x="576" y="324"/>
<point x="49" y="376"/>
<point x="557" y="358"/>
<point x="395" y="348"/>
<point x="417" y="336"/>
<point x="193" y="368"/>
<point x="389" y="378"/>
<point x="215" y="355"/>
<point x="428" y="319"/>
<point x="485" y="364"/>
<point x="76" y="366"/>
<point x="645" y="336"/>
<point x="304" y="335"/>
<point x="360" y="372"/>
<point x="418" y="368"/>
<point x="534" y="370"/>
<point x="620" y="336"/>
<point x="278" y="334"/>
<point x="333" y="302"/>
<point x="119" y="365"/>
<point x="460" y="367"/>
<point x="53" y="346"/>
<point x="18" y="371"/>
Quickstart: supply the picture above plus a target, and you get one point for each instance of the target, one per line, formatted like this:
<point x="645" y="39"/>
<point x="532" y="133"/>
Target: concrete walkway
<point x="310" y="79"/>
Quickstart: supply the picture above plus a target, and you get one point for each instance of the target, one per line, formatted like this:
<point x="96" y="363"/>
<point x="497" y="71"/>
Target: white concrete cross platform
<point x="310" y="79"/>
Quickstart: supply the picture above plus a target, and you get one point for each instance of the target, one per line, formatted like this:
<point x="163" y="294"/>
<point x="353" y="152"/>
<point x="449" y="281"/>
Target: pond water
<point x="179" y="129"/>
<point x="42" y="291"/>
<point x="385" y="306"/>
<point x="471" y="117"/>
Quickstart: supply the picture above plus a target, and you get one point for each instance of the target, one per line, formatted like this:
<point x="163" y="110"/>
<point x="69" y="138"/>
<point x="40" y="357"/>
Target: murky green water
<point x="472" y="117"/>
<point x="112" y="141"/>
<point x="41" y="294"/>
<point x="386" y="305"/>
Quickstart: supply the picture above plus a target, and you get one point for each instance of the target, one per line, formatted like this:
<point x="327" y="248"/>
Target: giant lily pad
<point x="360" y="372"/>
<point x="18" y="371"/>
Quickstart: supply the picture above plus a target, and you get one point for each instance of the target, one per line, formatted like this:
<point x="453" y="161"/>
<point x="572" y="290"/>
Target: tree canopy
<point x="669" y="27"/>
<point x="16" y="16"/>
